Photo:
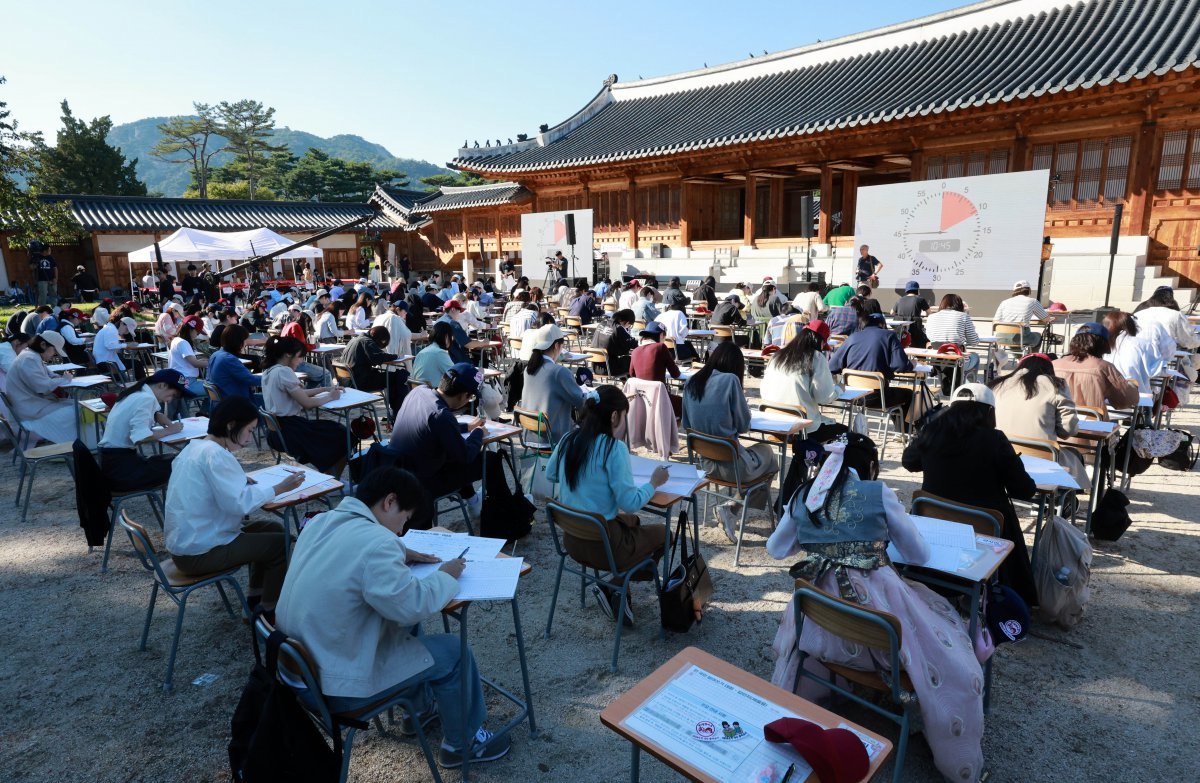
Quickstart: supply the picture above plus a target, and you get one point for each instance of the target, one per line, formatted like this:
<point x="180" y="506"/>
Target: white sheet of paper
<point x="951" y="545"/>
<point x="682" y="478"/>
<point x="448" y="546"/>
<point x="1047" y="473"/>
<point x="1103" y="427"/>
<point x="349" y="397"/>
<point x="84" y="381"/>
<point x="716" y="727"/>
<point x="277" y="473"/>
<point x="193" y="427"/>
<point x="65" y="367"/>
<point x="772" y="422"/>
<point x="482" y="580"/>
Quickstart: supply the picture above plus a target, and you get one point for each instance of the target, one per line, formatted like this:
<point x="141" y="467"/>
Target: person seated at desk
<point x="364" y="356"/>
<point x="208" y="496"/>
<point x="110" y="342"/>
<point x="629" y="294"/>
<point x="183" y="360"/>
<point x="462" y="344"/>
<point x="1137" y="351"/>
<point x="428" y="440"/>
<point x="255" y="319"/>
<point x="869" y="304"/>
<point x="841" y="525"/>
<point x="652" y="360"/>
<point x="591" y="472"/>
<point x="32" y="325"/>
<point x="70" y="324"/>
<point x="129" y="424"/>
<point x="965" y="459"/>
<point x="101" y="313"/>
<point x="614" y="337"/>
<point x="673" y="294"/>
<point x="845" y="319"/>
<point x="514" y="306"/>
<point x="799" y="375"/>
<point x="1161" y="312"/>
<point x="430" y="299"/>
<point x="434" y="359"/>
<point x="402" y="338"/>
<point x="714" y="403"/>
<point x="31" y="389"/>
<point x="951" y="324"/>
<point x="674" y="320"/>
<point x="727" y="313"/>
<point x="1021" y="308"/>
<point x="911" y="307"/>
<point x="317" y="442"/>
<point x="1092" y="381"/>
<point x="706" y="294"/>
<point x="1033" y="402"/>
<point x="350" y="579"/>
<point x="359" y="314"/>
<point x="875" y="348"/>
<point x="327" y="327"/>
<point x="808" y="302"/>
<point x="167" y="325"/>
<point x="583" y="306"/>
<point x="300" y="328"/>
<point x="225" y="368"/>
<point x="838" y="295"/>
<point x="644" y="310"/>
<point x="49" y="321"/>
<point x="548" y="386"/>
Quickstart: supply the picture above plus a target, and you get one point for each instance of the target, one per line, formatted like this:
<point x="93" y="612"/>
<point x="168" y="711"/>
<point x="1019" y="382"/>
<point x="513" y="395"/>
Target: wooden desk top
<point x="296" y="498"/>
<point x="615" y="714"/>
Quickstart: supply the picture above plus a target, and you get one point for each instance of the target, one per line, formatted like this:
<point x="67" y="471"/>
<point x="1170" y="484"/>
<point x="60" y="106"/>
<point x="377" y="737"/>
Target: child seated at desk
<point x="840" y="526"/>
<point x="129" y="425"/>
<point x="317" y="442"/>
<point x="592" y="472"/>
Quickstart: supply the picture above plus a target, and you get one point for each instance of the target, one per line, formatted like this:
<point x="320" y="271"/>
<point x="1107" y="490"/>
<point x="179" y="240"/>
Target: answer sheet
<point x="682" y="477"/>
<point x="277" y="473"/>
<point x="482" y="580"/>
<point x="951" y="545"/>
<point x="448" y="546"/>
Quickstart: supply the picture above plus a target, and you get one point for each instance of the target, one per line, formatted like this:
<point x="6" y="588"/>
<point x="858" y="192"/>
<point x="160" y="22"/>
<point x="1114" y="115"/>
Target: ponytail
<point x="133" y="388"/>
<point x="276" y="348"/>
<point x="537" y="357"/>
<point x="595" y="422"/>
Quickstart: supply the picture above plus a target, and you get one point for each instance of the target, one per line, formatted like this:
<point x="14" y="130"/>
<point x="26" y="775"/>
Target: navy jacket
<point x="428" y="439"/>
<point x="872" y="349"/>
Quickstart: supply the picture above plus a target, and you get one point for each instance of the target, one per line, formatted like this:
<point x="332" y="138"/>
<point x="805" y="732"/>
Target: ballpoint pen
<point x="464" y="553"/>
<point x="788" y="775"/>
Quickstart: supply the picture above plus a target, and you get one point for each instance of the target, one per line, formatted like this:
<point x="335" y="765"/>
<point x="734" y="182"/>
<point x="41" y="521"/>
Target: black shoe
<point x="604" y="601"/>
<point x="627" y="610"/>
<point x="488" y="747"/>
<point x="408" y="726"/>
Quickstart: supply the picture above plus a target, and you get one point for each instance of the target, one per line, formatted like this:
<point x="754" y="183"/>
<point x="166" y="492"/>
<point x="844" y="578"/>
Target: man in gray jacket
<point x="352" y="600"/>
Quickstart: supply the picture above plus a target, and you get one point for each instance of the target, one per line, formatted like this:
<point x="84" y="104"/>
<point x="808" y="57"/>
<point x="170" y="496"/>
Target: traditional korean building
<point x="709" y="169"/>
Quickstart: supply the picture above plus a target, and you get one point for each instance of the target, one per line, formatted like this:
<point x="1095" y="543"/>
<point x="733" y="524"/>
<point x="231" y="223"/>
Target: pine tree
<point x="248" y="126"/>
<point x="193" y="141"/>
<point x="83" y="161"/>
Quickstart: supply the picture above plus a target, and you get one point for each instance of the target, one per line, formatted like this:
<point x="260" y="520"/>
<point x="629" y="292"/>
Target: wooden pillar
<point x="750" y="211"/>
<point x="633" y="208"/>
<point x="499" y="235"/>
<point x="775" y="213"/>
<point x="685" y="230"/>
<point x="825" y="220"/>
<point x="1020" y="154"/>
<point x="849" y="197"/>
<point x="916" y="171"/>
<point x="1141" y="178"/>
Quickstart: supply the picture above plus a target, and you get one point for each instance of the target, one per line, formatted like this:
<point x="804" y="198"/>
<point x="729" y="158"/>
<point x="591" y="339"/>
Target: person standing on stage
<point x="866" y="267"/>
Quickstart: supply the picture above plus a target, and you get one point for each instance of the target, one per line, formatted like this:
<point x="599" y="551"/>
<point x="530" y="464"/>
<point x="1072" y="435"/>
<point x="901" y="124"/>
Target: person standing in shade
<point x="45" y="273"/>
<point x="866" y="266"/>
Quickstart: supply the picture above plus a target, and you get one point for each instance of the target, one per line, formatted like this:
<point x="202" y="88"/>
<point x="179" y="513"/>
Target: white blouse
<point x="207" y="496"/>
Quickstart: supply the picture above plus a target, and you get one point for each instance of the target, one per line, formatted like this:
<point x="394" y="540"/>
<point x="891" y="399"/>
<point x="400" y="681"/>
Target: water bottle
<point x="1063" y="575"/>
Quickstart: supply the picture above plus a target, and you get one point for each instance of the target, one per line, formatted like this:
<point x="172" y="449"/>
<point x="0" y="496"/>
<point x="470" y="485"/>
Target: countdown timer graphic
<point x="971" y="233"/>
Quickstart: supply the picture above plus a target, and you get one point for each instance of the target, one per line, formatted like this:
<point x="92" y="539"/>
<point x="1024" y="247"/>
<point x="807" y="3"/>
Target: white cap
<point x="973" y="392"/>
<point x="129" y="323"/>
<point x="55" y="339"/>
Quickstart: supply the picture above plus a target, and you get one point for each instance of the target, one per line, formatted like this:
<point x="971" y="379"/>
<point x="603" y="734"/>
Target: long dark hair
<point x="306" y="324"/>
<point x="595" y="421"/>
<point x="442" y="334"/>
<point x="1119" y="321"/>
<point x="187" y="333"/>
<point x="276" y="348"/>
<point x="956" y="430"/>
<point x="797" y="354"/>
<point x="230" y="415"/>
<point x="726" y="357"/>
<point x="233" y="338"/>
<point x="952" y="302"/>
<point x="1162" y="297"/>
<point x="765" y="295"/>
<point x="537" y="357"/>
<point x="1034" y="367"/>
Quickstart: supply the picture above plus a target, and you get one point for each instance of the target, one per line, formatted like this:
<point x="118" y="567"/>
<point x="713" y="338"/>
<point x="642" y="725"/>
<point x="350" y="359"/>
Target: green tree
<point x="193" y="141"/>
<point x="83" y="162"/>
<point x="20" y="210"/>
<point x="237" y="189"/>
<point x="248" y="126"/>
<point x="461" y="179"/>
<point x="317" y="176"/>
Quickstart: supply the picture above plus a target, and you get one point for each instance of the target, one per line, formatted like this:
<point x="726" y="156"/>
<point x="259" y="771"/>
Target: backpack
<point x="506" y="513"/>
<point x="1110" y="519"/>
<point x="1063" y="573"/>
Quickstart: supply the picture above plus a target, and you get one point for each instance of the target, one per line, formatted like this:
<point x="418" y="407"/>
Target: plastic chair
<point x="587" y="526"/>
<point x="725" y="450"/>
<point x="883" y="412"/>
<point x="869" y="628"/>
<point x="535" y="436"/>
<point x="177" y="586"/>
<point x="295" y="668"/>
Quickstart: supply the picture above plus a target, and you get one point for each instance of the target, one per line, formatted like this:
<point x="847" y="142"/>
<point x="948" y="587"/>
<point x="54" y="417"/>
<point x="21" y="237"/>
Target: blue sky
<point x="416" y="77"/>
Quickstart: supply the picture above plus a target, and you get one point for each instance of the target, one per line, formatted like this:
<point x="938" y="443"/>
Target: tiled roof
<point x="139" y="213"/>
<point x="398" y="203"/>
<point x="990" y="52"/>
<point x="474" y="196"/>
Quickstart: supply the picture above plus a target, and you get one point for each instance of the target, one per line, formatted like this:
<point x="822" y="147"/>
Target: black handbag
<point x="1184" y="457"/>
<point x="689" y="587"/>
<point x="1110" y="519"/>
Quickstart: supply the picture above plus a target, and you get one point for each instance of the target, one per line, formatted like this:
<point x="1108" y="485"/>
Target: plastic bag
<point x="1063" y="573"/>
<point x="542" y="489"/>
<point x="858" y="423"/>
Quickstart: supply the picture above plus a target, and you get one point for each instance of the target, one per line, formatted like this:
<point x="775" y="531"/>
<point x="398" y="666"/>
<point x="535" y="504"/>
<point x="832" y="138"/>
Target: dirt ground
<point x="1114" y="698"/>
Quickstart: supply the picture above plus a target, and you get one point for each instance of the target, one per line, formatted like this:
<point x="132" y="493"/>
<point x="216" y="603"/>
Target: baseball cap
<point x="876" y="318"/>
<point x="1007" y="615"/>
<point x="322" y="292"/>
<point x="452" y="304"/>
<point x="294" y="306"/>
<point x="654" y="328"/>
<point x="542" y="338"/>
<point x="132" y="305"/>
<point x="71" y="313"/>
<point x="1017" y="286"/>
<point x="1056" y="307"/>
<point x="129" y="323"/>
<point x="400" y="304"/>
<point x="912" y="285"/>
<point x="196" y="322"/>
<point x="106" y="300"/>
<point x="1091" y="327"/>
<point x="466" y="375"/>
<point x="818" y="326"/>
<point x="837" y="755"/>
<point x="973" y="392"/>
<point x="172" y="378"/>
<point x="55" y="339"/>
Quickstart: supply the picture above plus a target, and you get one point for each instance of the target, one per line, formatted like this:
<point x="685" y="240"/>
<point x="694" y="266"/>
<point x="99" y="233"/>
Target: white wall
<point x="123" y="243"/>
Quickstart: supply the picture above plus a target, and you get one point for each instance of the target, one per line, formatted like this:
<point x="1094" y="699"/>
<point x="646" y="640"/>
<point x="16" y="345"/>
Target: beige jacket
<point x="1049" y="414"/>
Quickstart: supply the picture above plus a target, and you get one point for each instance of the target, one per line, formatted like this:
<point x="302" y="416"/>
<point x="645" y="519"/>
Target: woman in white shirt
<point x="167" y="325"/>
<point x="100" y="314"/>
<point x="951" y="324"/>
<point x="130" y="424"/>
<point x="209" y="494"/>
<point x="1136" y="350"/>
<point x="317" y="442"/>
<point x="359" y="315"/>
<point x="799" y="375"/>
<point x="326" y="326"/>
<point x="185" y="361"/>
<point x="30" y="388"/>
<point x="106" y="348"/>
<point x="674" y="320"/>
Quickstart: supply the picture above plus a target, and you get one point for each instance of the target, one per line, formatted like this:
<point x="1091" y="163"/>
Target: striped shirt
<point x="1020" y="310"/>
<point x="951" y="326"/>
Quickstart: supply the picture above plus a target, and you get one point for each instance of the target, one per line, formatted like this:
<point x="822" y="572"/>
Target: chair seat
<point x="124" y="493"/>
<point x="177" y="578"/>
<point x="733" y="484"/>
<point x="48" y="451"/>
<point x="870" y="680"/>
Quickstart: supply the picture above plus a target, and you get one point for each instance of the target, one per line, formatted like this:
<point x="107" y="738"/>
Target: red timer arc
<point x="955" y="209"/>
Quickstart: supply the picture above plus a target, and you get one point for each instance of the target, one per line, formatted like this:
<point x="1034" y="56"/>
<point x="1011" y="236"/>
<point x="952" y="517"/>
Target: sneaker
<point x="488" y="747"/>
<point x="627" y="611"/>
<point x="408" y="726"/>
<point x="603" y="601"/>
<point x="475" y="505"/>
<point x="728" y="522"/>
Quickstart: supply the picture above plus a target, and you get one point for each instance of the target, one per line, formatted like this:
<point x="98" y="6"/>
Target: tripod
<point x="551" y="277"/>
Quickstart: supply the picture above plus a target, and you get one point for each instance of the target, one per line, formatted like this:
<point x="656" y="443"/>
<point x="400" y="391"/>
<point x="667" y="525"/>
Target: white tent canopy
<point x="192" y="244"/>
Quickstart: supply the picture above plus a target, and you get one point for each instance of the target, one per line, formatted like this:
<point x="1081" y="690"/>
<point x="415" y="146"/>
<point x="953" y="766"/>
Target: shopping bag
<point x="541" y="487"/>
<point x="1063" y="573"/>
<point x="689" y="586"/>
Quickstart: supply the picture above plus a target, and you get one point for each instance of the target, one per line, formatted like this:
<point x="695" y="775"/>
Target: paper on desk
<point x="193" y="427"/>
<point x="277" y="473"/>
<point x="951" y="545"/>
<point x="482" y="580"/>
<point x="681" y="478"/>
<point x="448" y="546"/>
<point x="1046" y="473"/>
<point x="772" y="422"/>
<point x="349" y="397"/>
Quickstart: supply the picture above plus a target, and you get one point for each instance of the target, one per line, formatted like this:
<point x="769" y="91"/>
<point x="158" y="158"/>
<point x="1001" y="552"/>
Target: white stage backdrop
<point x="971" y="233"/>
<point x="544" y="232"/>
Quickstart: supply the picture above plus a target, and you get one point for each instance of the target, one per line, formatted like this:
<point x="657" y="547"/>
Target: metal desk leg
<point x="467" y="741"/>
<point x="1037" y="531"/>
<point x="635" y="763"/>
<point x="1095" y="493"/>
<point x="524" y="667"/>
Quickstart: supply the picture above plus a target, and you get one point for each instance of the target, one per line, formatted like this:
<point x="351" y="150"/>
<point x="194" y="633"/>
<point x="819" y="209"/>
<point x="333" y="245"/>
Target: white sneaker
<point x="475" y="505"/>
<point x="486" y="747"/>
<point x="728" y="522"/>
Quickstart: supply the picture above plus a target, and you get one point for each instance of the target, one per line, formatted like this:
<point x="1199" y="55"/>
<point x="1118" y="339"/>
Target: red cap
<point x="72" y="313"/>
<point x="453" y="304"/>
<point x="132" y="305"/>
<point x="836" y="755"/>
<point x="818" y="326"/>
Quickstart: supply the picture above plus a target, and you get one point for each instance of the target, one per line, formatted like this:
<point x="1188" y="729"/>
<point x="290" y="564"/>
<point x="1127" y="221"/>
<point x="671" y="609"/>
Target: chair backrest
<point x="638" y="326"/>
<point x="598" y="356"/>
<point x="712" y="447"/>
<point x="850" y="621"/>
<point x="214" y="393"/>
<point x="985" y="521"/>
<point x="1090" y="413"/>
<point x="720" y="330"/>
<point x="783" y="407"/>
<point x="862" y="379"/>
<point x="343" y="374"/>
<point x="1035" y="447"/>
<point x="609" y="307"/>
<point x="144" y="548"/>
<point x="272" y="425"/>
<point x="583" y="525"/>
<point x="533" y="423"/>
<point x="514" y="346"/>
<point x="562" y="312"/>
<point x="295" y="668"/>
<point x="1004" y="327"/>
<point x="574" y="321"/>
<point x="13" y="420"/>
